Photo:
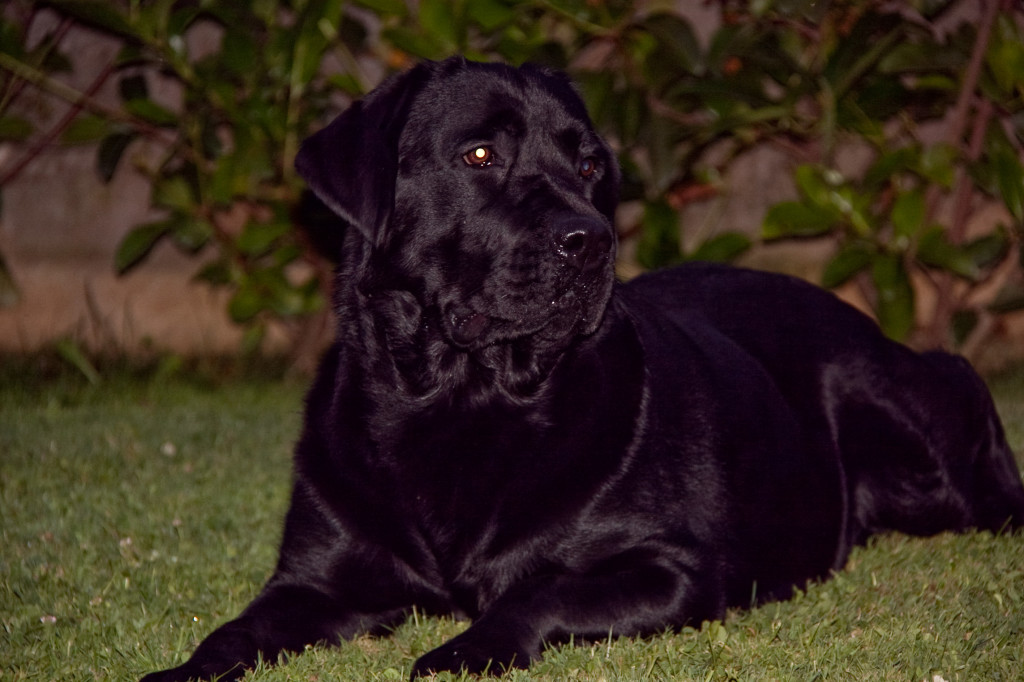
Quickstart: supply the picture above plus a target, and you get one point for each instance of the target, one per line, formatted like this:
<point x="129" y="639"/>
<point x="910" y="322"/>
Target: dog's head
<point x="482" y="194"/>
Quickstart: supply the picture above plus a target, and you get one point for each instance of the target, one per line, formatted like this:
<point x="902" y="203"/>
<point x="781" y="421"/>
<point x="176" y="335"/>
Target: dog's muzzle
<point x="567" y="298"/>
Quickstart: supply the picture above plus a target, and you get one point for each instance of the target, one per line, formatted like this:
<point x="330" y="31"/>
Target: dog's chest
<point x="458" y="463"/>
<point x="468" y="485"/>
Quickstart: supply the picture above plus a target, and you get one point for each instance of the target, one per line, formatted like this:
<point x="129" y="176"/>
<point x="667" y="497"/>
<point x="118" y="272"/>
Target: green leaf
<point x="239" y="174"/>
<point x="1009" y="176"/>
<point x="9" y="293"/>
<point x="489" y="14"/>
<point x="1009" y="299"/>
<point x="811" y="182"/>
<point x="257" y="238"/>
<point x="246" y="303"/>
<point x="347" y="83"/>
<point x="658" y="138"/>
<point x="851" y="259"/>
<point x="722" y="248"/>
<point x="72" y="353"/>
<point x="931" y="8"/>
<point x="989" y="250"/>
<point x="181" y="18"/>
<point x="174" y="192"/>
<point x="131" y="54"/>
<point x="874" y="102"/>
<point x="416" y="43"/>
<point x="217" y="273"/>
<point x="631" y="113"/>
<point x="151" y="112"/>
<point x="936" y="251"/>
<point x="895" y="296"/>
<point x="908" y="213"/>
<point x="191" y="233"/>
<point x="395" y="8"/>
<point x="152" y="18"/>
<point x="98" y="13"/>
<point x="797" y="219"/>
<point x="14" y="128"/>
<point x="111" y="150"/>
<point x="963" y="323"/>
<point x="11" y="41"/>
<point x="677" y="43"/>
<point x="437" y="17"/>
<point x="659" y="242"/>
<point x="86" y="130"/>
<point x="311" y="40"/>
<point x="287" y="301"/>
<point x="133" y="87"/>
<point x="1005" y="55"/>
<point x="938" y="164"/>
<point x="288" y="252"/>
<point x="252" y="338"/>
<point x="938" y="83"/>
<point x="920" y="57"/>
<point x="238" y="51"/>
<point x="890" y="164"/>
<point x="137" y="244"/>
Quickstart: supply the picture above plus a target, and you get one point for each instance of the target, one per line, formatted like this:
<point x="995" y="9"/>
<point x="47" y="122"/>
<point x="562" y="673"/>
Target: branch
<point x="959" y="121"/>
<point x="56" y="130"/>
<point x="82" y="100"/>
<point x="19" y="83"/>
<point x="936" y="330"/>
<point x="960" y="117"/>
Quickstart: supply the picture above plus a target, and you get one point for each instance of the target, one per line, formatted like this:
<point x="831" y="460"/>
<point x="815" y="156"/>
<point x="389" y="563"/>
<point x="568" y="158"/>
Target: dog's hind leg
<point x="996" y="493"/>
<point x="924" y="450"/>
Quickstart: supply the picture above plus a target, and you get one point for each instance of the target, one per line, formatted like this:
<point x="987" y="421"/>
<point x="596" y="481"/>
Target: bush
<point x="813" y="77"/>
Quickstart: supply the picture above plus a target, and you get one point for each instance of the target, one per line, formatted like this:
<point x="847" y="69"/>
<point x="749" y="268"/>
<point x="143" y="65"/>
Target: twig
<point x="964" y="185"/>
<point x="56" y="130"/>
<point x="987" y="319"/>
<point x="961" y="110"/>
<point x="83" y="100"/>
<point x="935" y="334"/>
<point x="19" y="83"/>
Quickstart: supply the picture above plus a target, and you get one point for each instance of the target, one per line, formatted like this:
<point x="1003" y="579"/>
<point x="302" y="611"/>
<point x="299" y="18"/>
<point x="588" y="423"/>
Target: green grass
<point x="137" y="514"/>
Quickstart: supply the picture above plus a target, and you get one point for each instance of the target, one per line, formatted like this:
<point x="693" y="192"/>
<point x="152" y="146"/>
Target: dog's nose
<point x="582" y="241"/>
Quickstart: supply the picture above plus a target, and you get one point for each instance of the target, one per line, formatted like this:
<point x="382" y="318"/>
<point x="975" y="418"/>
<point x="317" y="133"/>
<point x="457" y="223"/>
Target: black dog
<point x="503" y="432"/>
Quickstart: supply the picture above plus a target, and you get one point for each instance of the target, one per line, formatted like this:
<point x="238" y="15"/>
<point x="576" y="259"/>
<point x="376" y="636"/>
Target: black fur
<point x="504" y="433"/>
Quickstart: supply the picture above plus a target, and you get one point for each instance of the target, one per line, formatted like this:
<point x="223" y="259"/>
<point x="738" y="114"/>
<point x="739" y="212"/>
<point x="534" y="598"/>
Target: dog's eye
<point x="588" y="167"/>
<point x="479" y="157"/>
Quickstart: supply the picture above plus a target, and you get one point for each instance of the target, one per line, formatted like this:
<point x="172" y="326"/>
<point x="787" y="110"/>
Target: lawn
<point x="139" y="513"/>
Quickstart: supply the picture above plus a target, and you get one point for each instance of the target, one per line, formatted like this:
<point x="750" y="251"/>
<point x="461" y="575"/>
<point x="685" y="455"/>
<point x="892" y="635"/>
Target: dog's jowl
<point x="503" y="432"/>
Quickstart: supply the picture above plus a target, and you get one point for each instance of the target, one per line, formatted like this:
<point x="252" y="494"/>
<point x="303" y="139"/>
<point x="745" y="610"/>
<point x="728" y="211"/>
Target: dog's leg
<point x="997" y="492"/>
<point x="641" y="592"/>
<point x="283" y="618"/>
<point x="925" y="451"/>
<point x="326" y="588"/>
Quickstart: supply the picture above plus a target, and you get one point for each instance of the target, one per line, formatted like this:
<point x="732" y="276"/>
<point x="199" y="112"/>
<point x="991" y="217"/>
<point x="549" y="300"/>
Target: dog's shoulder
<point x="766" y="313"/>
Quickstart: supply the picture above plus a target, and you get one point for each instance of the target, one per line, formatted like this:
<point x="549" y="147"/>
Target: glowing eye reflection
<point x="480" y="156"/>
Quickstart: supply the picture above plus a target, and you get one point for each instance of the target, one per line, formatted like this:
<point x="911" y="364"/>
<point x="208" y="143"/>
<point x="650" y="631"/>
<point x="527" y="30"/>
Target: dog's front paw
<point x="477" y="653"/>
<point x="191" y="672"/>
<point x="182" y="673"/>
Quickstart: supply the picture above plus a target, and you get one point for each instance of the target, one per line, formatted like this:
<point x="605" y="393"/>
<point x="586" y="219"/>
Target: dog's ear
<point x="351" y="164"/>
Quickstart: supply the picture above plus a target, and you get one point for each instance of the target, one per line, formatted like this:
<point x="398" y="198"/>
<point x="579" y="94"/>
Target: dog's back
<point x="921" y="445"/>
